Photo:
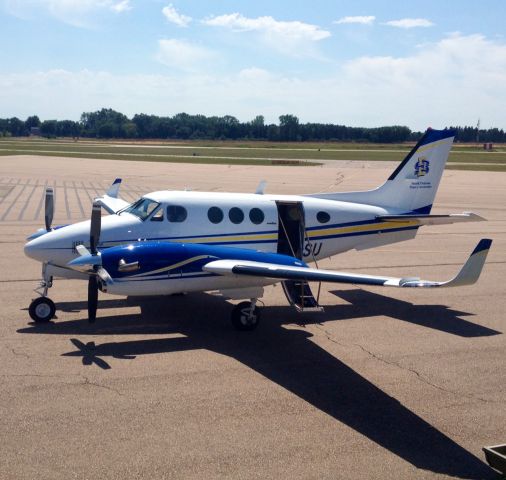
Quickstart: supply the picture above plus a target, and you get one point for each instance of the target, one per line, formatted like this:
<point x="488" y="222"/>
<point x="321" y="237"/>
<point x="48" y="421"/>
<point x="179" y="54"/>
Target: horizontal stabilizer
<point x="468" y="275"/>
<point x="432" y="219"/>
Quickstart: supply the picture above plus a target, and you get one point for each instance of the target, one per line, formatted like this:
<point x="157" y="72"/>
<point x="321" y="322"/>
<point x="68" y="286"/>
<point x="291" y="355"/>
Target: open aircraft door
<point x="291" y="228"/>
<point x="291" y="238"/>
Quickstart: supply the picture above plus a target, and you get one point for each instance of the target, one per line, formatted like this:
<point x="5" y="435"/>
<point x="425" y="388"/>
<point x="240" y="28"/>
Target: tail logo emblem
<point x="421" y="167"/>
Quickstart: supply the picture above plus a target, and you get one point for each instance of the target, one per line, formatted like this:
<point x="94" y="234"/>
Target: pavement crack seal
<point x="18" y="354"/>
<point x="87" y="381"/>
<point x="418" y="375"/>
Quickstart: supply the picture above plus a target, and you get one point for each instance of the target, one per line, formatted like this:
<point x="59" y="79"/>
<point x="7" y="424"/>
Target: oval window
<point x="236" y="215"/>
<point x="323" y="217"/>
<point x="215" y="215"/>
<point x="176" y="213"/>
<point x="256" y="216"/>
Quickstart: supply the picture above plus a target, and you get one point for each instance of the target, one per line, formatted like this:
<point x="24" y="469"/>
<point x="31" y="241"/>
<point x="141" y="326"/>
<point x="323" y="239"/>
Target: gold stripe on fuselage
<point x="320" y="232"/>
<point x="175" y="265"/>
<point x="361" y="228"/>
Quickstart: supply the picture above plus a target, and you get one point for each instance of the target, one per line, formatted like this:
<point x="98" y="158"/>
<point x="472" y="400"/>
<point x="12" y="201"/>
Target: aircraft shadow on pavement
<point x="438" y="317"/>
<point x="289" y="358"/>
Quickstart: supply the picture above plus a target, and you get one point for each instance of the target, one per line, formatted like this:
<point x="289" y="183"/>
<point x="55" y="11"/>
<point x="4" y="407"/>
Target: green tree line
<point x="107" y="123"/>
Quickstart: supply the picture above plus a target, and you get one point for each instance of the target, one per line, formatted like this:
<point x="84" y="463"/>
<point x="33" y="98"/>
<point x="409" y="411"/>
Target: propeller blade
<point x="82" y="250"/>
<point x="49" y="208"/>
<point x="95" y="227"/>
<point x="104" y="276"/>
<point x="92" y="298"/>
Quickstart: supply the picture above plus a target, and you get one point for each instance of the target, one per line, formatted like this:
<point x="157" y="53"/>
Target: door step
<point x="300" y="296"/>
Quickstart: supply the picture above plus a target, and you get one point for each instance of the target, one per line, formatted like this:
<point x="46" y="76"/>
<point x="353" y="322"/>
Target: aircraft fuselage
<point x="252" y="221"/>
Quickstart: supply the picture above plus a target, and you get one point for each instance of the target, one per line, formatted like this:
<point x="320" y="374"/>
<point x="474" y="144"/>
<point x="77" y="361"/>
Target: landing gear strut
<point x="246" y="316"/>
<point x="42" y="309"/>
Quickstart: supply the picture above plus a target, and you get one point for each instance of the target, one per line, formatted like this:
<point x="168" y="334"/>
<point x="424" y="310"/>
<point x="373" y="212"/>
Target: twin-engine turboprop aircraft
<point x="235" y="244"/>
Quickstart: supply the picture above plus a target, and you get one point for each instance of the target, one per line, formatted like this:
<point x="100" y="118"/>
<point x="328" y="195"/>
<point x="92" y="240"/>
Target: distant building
<point x="487" y="146"/>
<point x="35" y="131"/>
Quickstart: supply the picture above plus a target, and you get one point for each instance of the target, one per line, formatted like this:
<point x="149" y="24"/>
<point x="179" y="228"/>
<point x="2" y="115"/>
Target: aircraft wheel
<point x="243" y="319"/>
<point x="42" y="310"/>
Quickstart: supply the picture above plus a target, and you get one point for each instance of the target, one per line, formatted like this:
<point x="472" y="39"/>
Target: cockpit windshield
<point x="142" y="208"/>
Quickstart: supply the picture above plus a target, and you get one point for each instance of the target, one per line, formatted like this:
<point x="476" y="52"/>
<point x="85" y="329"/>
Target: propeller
<point x="48" y="215"/>
<point x="49" y="207"/>
<point x="92" y="298"/>
<point x="95" y="227"/>
<point x="90" y="262"/>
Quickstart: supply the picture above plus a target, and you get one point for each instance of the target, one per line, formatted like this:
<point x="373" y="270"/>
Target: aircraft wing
<point x="110" y="201"/>
<point x="468" y="274"/>
<point x="433" y="219"/>
<point x="110" y="204"/>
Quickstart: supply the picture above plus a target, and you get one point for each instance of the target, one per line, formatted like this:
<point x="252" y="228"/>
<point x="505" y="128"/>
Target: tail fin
<point x="413" y="184"/>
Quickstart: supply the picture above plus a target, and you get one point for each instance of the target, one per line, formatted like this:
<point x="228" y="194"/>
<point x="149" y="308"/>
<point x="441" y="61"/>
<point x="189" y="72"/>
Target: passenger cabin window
<point x="323" y="217"/>
<point x="236" y="215"/>
<point x="176" y="213"/>
<point x="215" y="215"/>
<point x="256" y="216"/>
<point x="142" y="208"/>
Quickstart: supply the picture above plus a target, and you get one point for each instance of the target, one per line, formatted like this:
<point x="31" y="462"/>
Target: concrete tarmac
<point x="387" y="383"/>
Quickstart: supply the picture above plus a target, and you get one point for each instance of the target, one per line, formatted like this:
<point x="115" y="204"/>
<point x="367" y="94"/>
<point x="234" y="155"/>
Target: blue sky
<point x="361" y="63"/>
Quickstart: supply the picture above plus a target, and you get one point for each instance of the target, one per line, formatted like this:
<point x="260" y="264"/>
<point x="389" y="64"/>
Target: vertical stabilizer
<point x="413" y="184"/>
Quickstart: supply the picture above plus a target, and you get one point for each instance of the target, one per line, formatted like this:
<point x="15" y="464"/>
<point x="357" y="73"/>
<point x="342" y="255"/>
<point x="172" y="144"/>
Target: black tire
<point x="42" y="310"/>
<point x="241" y="319"/>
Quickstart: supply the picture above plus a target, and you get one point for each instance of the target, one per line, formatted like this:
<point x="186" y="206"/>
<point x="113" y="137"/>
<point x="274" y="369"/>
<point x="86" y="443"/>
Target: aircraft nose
<point x="35" y="249"/>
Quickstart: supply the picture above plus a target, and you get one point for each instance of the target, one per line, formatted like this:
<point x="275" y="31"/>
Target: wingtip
<point x="483" y="244"/>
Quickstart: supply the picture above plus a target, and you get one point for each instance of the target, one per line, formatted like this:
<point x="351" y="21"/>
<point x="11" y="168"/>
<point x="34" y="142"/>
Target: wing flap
<point x="468" y="274"/>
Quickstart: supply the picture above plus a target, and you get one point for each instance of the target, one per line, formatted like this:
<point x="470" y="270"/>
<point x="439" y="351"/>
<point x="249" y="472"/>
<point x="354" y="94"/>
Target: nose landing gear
<point x="42" y="309"/>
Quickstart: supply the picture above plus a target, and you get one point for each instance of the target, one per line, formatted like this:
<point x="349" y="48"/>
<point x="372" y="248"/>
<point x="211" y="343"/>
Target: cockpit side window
<point x="157" y="216"/>
<point x="142" y="208"/>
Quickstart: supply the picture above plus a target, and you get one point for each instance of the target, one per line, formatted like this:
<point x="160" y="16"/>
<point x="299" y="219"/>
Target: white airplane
<point x="170" y="242"/>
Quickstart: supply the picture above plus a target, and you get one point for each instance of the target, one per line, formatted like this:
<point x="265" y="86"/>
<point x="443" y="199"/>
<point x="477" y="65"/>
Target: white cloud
<point x="361" y="19"/>
<point x="172" y="15"/>
<point x="293" y="37"/>
<point x="183" y="55"/>
<point x="410" y="23"/>
<point x="294" y="29"/>
<point x="122" y="6"/>
<point x="79" y="13"/>
<point x="453" y="81"/>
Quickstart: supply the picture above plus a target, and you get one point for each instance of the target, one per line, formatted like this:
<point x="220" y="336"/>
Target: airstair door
<point x="291" y="236"/>
<point x="291" y="227"/>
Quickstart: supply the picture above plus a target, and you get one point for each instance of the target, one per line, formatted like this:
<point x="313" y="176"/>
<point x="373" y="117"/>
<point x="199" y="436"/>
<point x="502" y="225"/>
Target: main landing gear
<point x="246" y="316"/>
<point x="42" y="309"/>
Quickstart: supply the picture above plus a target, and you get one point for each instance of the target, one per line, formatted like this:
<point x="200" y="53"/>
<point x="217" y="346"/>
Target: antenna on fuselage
<point x="261" y="187"/>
